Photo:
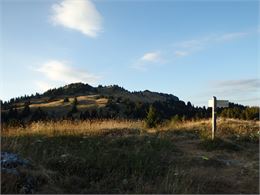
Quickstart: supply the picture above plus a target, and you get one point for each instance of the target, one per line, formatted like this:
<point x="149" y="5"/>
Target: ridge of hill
<point x="82" y="101"/>
<point x="79" y="89"/>
<point x="79" y="100"/>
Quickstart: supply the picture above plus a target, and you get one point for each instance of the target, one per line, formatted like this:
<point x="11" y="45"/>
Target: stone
<point x="11" y="160"/>
<point x="10" y="164"/>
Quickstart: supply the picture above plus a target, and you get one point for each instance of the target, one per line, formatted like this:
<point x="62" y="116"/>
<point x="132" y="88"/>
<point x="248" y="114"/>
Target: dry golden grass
<point x="84" y="102"/>
<point x="68" y="127"/>
<point x="225" y="127"/>
<point x="48" y="104"/>
<point x="102" y="101"/>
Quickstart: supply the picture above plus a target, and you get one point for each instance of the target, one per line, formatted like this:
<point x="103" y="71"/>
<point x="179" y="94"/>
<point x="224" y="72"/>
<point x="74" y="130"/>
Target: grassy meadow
<point x="120" y="156"/>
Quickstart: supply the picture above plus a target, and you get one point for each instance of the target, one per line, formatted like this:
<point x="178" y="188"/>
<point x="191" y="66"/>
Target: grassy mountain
<point x="80" y="89"/>
<point x="82" y="101"/>
<point x="79" y="100"/>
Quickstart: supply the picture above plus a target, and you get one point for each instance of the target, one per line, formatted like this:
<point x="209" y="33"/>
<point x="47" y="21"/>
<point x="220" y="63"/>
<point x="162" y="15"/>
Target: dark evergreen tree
<point x="93" y="114"/>
<point x="12" y="113"/>
<point x="74" y="108"/>
<point x="75" y="101"/>
<point x="82" y="116"/>
<point x="86" y="114"/>
<point x="69" y="115"/>
<point x="151" y="119"/>
<point x="26" y="110"/>
<point x="66" y="99"/>
<point x="39" y="115"/>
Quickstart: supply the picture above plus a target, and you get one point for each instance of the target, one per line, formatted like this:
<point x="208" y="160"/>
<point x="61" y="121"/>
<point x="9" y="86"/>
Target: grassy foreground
<point x="126" y="157"/>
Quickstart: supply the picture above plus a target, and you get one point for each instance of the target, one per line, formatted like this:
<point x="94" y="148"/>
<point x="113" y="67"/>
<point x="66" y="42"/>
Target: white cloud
<point x="80" y="15"/>
<point x="60" y="71"/>
<point x="151" y="57"/>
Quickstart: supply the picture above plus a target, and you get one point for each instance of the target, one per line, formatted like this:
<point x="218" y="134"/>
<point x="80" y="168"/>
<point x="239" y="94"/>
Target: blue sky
<point x="192" y="49"/>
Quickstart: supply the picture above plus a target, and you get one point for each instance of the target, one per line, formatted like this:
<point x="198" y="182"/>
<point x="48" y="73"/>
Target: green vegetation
<point x="241" y="112"/>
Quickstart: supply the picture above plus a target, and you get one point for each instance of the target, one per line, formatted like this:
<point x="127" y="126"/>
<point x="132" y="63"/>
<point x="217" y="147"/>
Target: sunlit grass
<point x="225" y="127"/>
<point x="68" y="127"/>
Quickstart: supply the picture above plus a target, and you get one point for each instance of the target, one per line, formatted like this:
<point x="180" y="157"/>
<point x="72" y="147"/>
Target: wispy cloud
<point x="243" y="91"/>
<point x="188" y="47"/>
<point x="181" y="53"/>
<point x="148" y="59"/>
<point x="80" y="15"/>
<point x="237" y="86"/>
<point x="240" y="90"/>
<point x="60" y="72"/>
<point x="230" y="36"/>
<point x="244" y="83"/>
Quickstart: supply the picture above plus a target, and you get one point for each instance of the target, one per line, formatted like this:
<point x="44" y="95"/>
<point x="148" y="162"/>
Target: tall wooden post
<point x="214" y="103"/>
<point x="214" y="116"/>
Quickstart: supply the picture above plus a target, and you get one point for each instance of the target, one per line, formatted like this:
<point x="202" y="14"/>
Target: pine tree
<point x="39" y="114"/>
<point x="66" y="99"/>
<point x="82" y="116"/>
<point x="26" y="111"/>
<point x="75" y="101"/>
<point x="151" y="118"/>
<point x="74" y="108"/>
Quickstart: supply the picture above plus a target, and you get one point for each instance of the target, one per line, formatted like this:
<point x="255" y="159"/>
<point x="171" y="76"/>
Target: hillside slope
<point x="80" y="100"/>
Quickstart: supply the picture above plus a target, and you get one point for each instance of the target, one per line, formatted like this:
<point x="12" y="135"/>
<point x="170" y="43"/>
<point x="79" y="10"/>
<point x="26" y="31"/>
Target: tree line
<point x="124" y="108"/>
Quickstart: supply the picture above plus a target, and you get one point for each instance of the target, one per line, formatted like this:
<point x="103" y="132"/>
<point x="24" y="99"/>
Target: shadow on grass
<point x="187" y="134"/>
<point x="218" y="144"/>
